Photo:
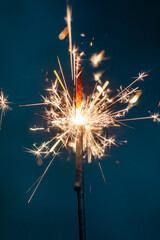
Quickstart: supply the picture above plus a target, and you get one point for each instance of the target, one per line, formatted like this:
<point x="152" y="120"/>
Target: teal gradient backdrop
<point x="127" y="207"/>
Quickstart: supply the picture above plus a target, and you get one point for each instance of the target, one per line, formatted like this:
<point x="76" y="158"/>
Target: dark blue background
<point x="126" y="207"/>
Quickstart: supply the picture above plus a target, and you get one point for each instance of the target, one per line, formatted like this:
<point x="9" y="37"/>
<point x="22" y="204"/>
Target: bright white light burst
<point x="98" y="112"/>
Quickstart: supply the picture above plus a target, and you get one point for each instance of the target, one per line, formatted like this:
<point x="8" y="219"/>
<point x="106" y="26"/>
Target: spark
<point x="40" y="179"/>
<point x="63" y="34"/>
<point x="97" y="77"/>
<point x="100" y="92"/>
<point x="99" y="88"/>
<point x="36" y="129"/>
<point x="155" y="117"/>
<point x="74" y="62"/>
<point x="82" y="35"/>
<point x="116" y="125"/>
<point x="136" y="97"/>
<point x="55" y="72"/>
<point x="142" y="75"/>
<point x="37" y="151"/>
<point x="96" y="59"/>
<point x="63" y="76"/>
<point x="102" y="172"/>
<point x="68" y="20"/>
<point x="3" y="106"/>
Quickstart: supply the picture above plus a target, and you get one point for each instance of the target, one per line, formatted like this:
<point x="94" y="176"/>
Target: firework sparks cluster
<point x="3" y="106"/>
<point x="97" y="112"/>
<point x="100" y="110"/>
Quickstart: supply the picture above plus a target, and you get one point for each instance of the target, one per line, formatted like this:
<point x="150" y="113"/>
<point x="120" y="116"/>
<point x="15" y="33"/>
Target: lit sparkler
<point x="95" y="113"/>
<point x="3" y="106"/>
<point x="82" y="121"/>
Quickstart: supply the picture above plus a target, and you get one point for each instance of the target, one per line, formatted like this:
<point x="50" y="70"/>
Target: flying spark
<point x="97" y="77"/>
<point x="136" y="97"/>
<point x="96" y="59"/>
<point x="82" y="35"/>
<point x="36" y="129"/>
<point x="63" y="34"/>
<point x="68" y="20"/>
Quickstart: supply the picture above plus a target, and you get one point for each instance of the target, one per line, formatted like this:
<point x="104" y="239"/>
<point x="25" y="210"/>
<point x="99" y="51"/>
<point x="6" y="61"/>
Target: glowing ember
<point x="36" y="129"/>
<point x="96" y="59"/>
<point x="97" y="77"/>
<point x="82" y="35"/>
<point x="136" y="97"/>
<point x="99" y="88"/>
<point x="63" y="34"/>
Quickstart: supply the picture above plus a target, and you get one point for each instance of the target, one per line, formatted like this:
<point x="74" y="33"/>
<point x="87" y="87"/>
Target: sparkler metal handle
<point x="79" y="184"/>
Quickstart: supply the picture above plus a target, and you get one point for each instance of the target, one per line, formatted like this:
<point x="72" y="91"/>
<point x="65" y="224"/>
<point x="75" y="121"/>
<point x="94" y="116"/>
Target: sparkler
<point x="81" y="123"/>
<point x="3" y="106"/>
<point x="79" y="183"/>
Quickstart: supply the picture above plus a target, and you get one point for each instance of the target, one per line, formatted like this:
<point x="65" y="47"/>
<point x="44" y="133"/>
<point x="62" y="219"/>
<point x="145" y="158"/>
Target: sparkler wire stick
<point x="79" y="183"/>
